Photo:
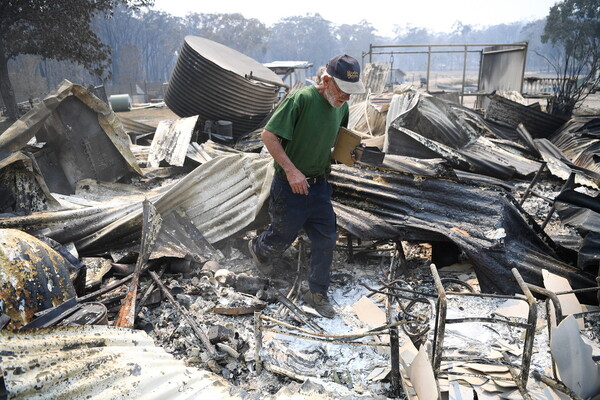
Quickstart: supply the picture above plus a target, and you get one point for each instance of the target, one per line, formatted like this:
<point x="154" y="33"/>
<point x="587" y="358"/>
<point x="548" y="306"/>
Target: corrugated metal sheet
<point x="559" y="165"/>
<point x="100" y="362"/>
<point x="426" y="127"/>
<point x="375" y="76"/>
<point x="136" y="127"/>
<point x="507" y="112"/>
<point x="209" y="80"/>
<point x="220" y="197"/>
<point x="484" y="222"/>
<point x="579" y="140"/>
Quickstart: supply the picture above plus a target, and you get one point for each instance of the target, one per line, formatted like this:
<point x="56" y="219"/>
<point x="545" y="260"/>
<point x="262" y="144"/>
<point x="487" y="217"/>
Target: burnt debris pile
<point x="467" y="260"/>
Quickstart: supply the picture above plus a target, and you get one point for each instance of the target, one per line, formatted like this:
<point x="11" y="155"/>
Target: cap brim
<point x="350" y="87"/>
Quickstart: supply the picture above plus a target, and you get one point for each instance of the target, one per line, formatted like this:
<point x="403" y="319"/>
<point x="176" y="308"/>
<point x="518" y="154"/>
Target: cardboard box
<point x="345" y="145"/>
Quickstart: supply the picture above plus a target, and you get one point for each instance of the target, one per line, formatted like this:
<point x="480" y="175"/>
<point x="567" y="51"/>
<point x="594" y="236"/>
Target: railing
<point x="534" y="85"/>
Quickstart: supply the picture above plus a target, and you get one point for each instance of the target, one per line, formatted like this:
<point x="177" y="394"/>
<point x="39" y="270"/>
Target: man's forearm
<point x="295" y="177"/>
<point x="273" y="144"/>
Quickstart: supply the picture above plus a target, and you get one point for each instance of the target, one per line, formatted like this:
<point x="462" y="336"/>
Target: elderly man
<point x="299" y="137"/>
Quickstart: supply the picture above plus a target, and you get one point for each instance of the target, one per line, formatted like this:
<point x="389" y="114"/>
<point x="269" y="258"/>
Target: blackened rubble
<point x="463" y="188"/>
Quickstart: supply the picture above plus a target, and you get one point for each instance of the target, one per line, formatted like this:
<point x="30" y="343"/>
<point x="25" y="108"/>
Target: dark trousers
<point x="292" y="212"/>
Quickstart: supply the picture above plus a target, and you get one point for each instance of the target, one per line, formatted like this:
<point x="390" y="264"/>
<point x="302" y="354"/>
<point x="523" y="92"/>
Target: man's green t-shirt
<point x="308" y="126"/>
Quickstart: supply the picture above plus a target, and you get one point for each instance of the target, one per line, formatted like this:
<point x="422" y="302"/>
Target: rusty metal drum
<point x="33" y="277"/>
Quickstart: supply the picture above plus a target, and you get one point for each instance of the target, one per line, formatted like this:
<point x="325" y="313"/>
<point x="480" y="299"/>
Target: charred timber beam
<point x="150" y="229"/>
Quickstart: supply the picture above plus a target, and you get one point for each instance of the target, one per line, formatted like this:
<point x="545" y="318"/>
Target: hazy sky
<point x="435" y="15"/>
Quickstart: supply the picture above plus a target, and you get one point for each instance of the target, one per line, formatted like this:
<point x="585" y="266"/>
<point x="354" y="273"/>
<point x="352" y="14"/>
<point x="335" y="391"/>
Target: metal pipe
<point x="568" y="184"/>
<point x="383" y="46"/>
<point x="462" y="89"/>
<point x="383" y="53"/>
<point x="350" y="248"/>
<point x="529" y="332"/>
<point x="301" y="315"/>
<point x="488" y="320"/>
<point x="556" y="385"/>
<point x="428" y="66"/>
<point x="535" y="179"/>
<point x="373" y="332"/>
<point x="553" y="297"/>
<point x="440" y="321"/>
<point x="325" y="339"/>
<point x="393" y="332"/>
<point x="522" y="387"/>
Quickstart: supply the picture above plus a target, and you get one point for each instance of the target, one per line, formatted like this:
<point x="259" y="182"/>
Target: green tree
<point x="27" y="77"/>
<point x="356" y="38"/>
<point x="303" y="38"/>
<point x="56" y="29"/>
<point x="248" y="36"/>
<point x="573" y="26"/>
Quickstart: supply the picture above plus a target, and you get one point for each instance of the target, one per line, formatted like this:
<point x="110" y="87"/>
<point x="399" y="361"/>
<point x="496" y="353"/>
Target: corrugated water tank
<point x="213" y="81"/>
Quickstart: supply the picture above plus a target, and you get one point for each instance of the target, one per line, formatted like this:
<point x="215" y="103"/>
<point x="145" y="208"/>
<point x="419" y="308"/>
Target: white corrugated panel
<point x="100" y="362"/>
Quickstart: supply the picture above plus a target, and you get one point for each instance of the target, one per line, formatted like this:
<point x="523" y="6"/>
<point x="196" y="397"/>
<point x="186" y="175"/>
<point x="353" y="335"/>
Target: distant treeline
<point x="145" y="44"/>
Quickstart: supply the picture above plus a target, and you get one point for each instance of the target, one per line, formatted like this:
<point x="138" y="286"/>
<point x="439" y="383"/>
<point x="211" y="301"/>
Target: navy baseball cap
<point x="345" y="70"/>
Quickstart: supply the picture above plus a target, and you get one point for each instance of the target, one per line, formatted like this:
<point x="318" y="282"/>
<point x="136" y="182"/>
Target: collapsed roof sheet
<point x="83" y="139"/>
<point x="511" y="114"/>
<point x="218" y="83"/>
<point x="100" y="362"/>
<point x="427" y="127"/>
<point x="485" y="222"/>
<point x="579" y="140"/>
<point x="220" y="197"/>
<point x="560" y="166"/>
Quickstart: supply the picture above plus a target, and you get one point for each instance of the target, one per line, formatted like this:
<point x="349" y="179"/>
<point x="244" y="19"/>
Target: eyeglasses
<point x="337" y="88"/>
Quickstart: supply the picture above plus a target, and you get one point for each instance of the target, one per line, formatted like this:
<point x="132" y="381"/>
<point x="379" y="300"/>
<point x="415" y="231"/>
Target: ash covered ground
<point x="231" y="284"/>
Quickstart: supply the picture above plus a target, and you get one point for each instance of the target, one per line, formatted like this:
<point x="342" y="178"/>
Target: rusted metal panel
<point x="33" y="277"/>
<point x="210" y="80"/>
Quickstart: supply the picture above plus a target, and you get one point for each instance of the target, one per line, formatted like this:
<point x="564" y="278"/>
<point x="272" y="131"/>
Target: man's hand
<point x="295" y="178"/>
<point x="297" y="181"/>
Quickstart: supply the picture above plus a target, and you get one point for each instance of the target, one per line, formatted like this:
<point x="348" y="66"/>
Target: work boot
<point x="320" y="303"/>
<point x="263" y="266"/>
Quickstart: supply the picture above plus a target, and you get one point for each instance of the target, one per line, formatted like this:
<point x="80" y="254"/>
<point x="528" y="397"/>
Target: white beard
<point x="331" y="98"/>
